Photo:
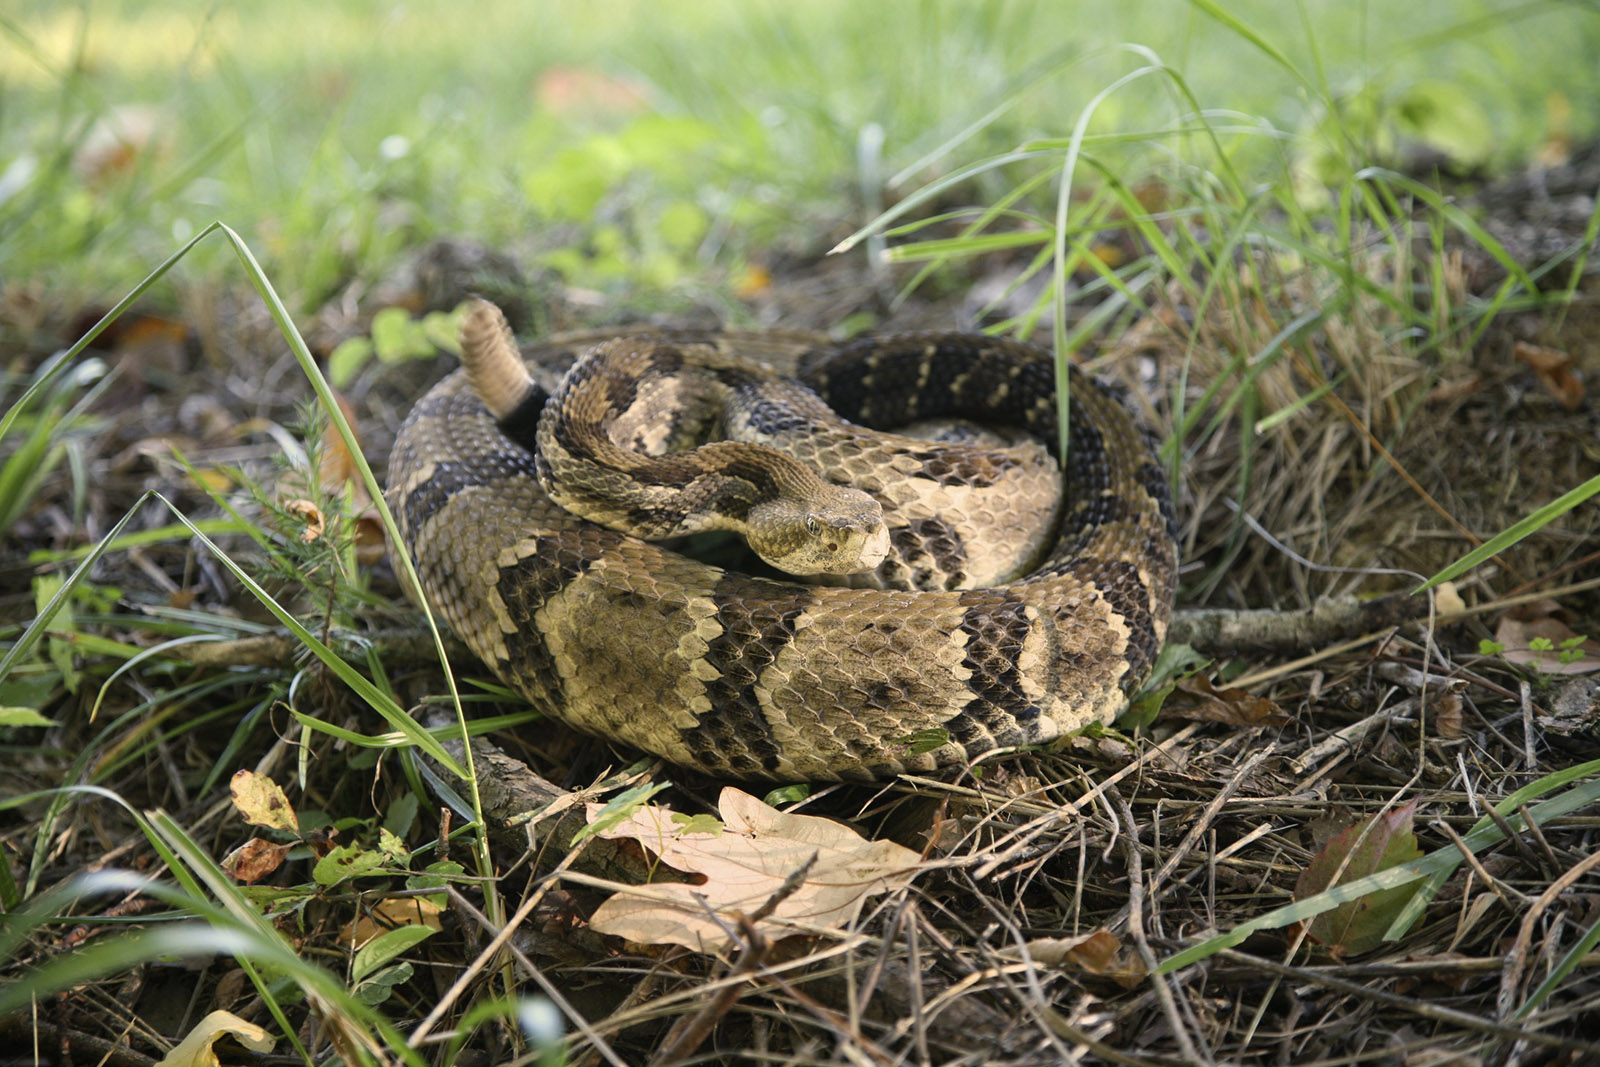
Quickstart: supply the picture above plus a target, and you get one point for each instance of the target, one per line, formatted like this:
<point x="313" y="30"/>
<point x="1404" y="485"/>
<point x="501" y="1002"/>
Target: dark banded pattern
<point x="752" y="678"/>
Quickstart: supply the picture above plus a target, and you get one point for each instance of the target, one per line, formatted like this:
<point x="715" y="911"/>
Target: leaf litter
<point x="743" y="863"/>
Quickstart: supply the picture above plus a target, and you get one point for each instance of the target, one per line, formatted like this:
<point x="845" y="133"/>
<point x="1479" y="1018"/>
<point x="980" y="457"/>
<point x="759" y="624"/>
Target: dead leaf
<point x="1535" y="635"/>
<point x="752" y="282"/>
<point x="1369" y="846"/>
<point x="1099" y="953"/>
<point x="1554" y="369"/>
<point x="1446" y="714"/>
<point x="1454" y="389"/>
<point x="1194" y="698"/>
<point x="1447" y="599"/>
<point x="369" y="538"/>
<point x="338" y="466"/>
<point x="254" y="860"/>
<point x="195" y="1049"/>
<point x="944" y="836"/>
<point x="263" y="802"/>
<point x="310" y="517"/>
<point x="388" y="914"/>
<point x="1557" y="147"/>
<point x="757" y="849"/>
<point x="212" y="479"/>
<point x="119" y="140"/>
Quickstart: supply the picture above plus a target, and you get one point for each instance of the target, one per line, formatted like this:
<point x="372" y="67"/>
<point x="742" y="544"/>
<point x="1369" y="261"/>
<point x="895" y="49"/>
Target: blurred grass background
<point x="645" y="146"/>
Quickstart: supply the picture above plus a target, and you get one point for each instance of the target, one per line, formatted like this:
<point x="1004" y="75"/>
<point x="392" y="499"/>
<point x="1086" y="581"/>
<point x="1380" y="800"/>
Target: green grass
<point x="1018" y="127"/>
<point x="333" y="149"/>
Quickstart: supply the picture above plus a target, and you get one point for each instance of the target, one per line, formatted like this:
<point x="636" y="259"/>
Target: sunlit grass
<point x="333" y="151"/>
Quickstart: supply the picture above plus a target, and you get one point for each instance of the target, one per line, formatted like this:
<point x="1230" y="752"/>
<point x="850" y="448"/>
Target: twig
<point x="1180" y="1032"/>
<point x="688" y="1034"/>
<point x="1268" y="630"/>
<point x="1426" y="1009"/>
<point x="1517" y="957"/>
<point x="1345" y="738"/>
<point x="596" y="1042"/>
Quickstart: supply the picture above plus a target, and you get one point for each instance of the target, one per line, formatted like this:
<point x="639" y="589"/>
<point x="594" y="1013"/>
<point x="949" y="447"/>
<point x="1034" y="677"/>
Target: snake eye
<point x="813" y="527"/>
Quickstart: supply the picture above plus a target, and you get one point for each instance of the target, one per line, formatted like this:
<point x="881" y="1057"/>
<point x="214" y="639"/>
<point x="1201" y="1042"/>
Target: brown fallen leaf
<point x="1454" y="389"/>
<point x="119" y="141"/>
<point x="337" y="465"/>
<point x="744" y="863"/>
<point x="254" y="860"/>
<point x="1098" y="953"/>
<point x="388" y="914"/>
<point x="1445" y="712"/>
<point x="1369" y="846"/>
<point x="566" y="90"/>
<point x="1196" y="699"/>
<point x="312" y="523"/>
<point x="1536" y="635"/>
<point x="1554" y="369"/>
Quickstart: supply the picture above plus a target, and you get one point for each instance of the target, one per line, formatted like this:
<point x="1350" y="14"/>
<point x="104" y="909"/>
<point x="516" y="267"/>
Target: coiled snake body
<point x="747" y="676"/>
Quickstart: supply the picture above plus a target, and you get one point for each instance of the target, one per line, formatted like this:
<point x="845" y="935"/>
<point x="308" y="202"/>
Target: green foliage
<point x="386" y="127"/>
<point x="396" y="335"/>
<point x="787" y="794"/>
<point x="45" y="422"/>
<point x="1175" y="661"/>
<point x="619" y="808"/>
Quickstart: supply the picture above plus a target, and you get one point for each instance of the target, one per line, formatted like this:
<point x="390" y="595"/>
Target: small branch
<point x="1219" y="631"/>
<point x="1425" y="1009"/>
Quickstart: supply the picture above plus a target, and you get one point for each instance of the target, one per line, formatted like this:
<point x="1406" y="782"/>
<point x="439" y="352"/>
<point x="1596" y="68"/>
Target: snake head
<point x="836" y="531"/>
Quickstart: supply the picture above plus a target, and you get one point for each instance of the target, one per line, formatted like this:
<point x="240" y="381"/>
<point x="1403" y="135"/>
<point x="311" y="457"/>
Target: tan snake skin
<point x="758" y="676"/>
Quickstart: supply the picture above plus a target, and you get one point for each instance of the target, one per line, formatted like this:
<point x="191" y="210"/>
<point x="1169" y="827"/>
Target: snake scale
<point x="750" y="675"/>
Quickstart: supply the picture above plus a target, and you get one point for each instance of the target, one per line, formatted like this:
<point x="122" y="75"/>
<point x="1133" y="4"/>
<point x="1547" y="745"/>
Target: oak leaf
<point x="744" y="865"/>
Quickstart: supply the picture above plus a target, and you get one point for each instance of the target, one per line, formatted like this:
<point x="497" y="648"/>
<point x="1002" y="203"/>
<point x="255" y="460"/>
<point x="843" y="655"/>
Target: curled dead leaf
<point x="1196" y="699"/>
<point x="1554" y="369"/>
<point x="1447" y="599"/>
<point x="370" y="542"/>
<point x="1454" y="389"/>
<point x="390" y="913"/>
<point x="254" y="860"/>
<point x="338" y="466"/>
<point x="310" y="517"/>
<point x="1445" y="711"/>
<point x="195" y="1050"/>
<point x="1098" y="953"/>
<point x="745" y="863"/>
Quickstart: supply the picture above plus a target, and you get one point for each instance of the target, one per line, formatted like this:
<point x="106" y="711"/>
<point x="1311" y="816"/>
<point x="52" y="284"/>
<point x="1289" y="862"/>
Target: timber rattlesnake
<point x="746" y="676"/>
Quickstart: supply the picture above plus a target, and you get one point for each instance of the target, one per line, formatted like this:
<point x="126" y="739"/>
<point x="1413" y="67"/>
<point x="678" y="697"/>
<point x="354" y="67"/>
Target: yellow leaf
<point x="262" y="802"/>
<point x="388" y="914"/>
<point x="195" y="1049"/>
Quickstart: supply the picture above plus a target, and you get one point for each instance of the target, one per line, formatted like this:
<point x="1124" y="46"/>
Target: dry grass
<point x="1155" y="841"/>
